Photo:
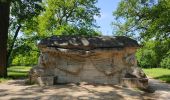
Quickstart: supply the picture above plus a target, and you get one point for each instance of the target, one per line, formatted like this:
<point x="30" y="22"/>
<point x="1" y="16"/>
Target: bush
<point x="30" y="58"/>
<point x="154" y="54"/>
<point x="146" y="56"/>
<point x="165" y="63"/>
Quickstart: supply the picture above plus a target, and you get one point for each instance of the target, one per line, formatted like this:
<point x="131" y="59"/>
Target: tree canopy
<point x="148" y="18"/>
<point x="68" y="17"/>
<point x="36" y="19"/>
<point x="149" y="21"/>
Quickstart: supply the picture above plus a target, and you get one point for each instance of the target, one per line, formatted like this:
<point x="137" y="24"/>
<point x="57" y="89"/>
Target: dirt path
<point x="161" y="90"/>
<point x="17" y="90"/>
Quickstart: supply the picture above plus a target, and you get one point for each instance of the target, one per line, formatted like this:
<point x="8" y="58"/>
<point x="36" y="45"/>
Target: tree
<point x="154" y="54"/>
<point x="4" y="24"/>
<point x="22" y="18"/>
<point x="74" y="16"/>
<point x="148" y="18"/>
<point x="146" y="56"/>
<point x="25" y="51"/>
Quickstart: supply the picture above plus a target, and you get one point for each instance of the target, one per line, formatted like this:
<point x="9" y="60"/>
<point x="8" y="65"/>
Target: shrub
<point x="165" y="63"/>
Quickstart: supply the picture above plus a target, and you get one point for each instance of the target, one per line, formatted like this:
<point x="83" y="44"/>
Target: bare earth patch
<point x="17" y="90"/>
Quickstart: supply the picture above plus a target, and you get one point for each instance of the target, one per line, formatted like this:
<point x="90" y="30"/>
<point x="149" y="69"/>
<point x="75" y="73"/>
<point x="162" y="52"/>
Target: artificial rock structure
<point x="99" y="59"/>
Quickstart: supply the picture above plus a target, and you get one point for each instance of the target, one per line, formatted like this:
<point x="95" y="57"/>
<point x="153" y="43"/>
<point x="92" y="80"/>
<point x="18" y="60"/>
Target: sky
<point x="106" y="8"/>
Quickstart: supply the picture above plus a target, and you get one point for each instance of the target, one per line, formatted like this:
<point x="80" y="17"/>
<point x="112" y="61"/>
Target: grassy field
<point x="15" y="72"/>
<point x="18" y="71"/>
<point x="158" y="73"/>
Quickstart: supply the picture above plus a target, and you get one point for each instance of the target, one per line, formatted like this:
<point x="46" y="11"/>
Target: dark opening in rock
<point x="128" y="75"/>
<point x="55" y="80"/>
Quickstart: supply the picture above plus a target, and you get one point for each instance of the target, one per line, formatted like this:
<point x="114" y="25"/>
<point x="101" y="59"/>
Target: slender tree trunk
<point x="12" y="45"/>
<point x="4" y="24"/>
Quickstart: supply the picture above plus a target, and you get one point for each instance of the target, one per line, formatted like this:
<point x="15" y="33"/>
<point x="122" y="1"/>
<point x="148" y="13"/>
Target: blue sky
<point x="107" y="7"/>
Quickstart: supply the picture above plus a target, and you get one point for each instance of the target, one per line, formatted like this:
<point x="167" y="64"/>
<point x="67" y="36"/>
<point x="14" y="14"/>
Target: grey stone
<point x="48" y="80"/>
<point x="99" y="59"/>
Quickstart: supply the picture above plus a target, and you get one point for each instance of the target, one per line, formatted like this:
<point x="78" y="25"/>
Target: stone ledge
<point x="141" y="83"/>
<point x="47" y="80"/>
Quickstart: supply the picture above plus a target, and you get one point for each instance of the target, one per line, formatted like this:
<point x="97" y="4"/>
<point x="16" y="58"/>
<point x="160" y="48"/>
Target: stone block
<point x="59" y="72"/>
<point x="91" y="73"/>
<point x="100" y="80"/>
<point x="62" y="79"/>
<point x="135" y="82"/>
<point x="48" y="80"/>
<point x="113" y="80"/>
<point x="73" y="78"/>
<point x="98" y="59"/>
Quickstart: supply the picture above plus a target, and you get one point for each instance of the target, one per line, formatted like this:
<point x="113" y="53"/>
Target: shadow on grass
<point x="18" y="74"/>
<point x="17" y="71"/>
<point x="165" y="78"/>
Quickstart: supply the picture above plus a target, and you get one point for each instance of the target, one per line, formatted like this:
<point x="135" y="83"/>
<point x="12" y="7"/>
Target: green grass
<point x="4" y="79"/>
<point x="159" y="73"/>
<point x="16" y="72"/>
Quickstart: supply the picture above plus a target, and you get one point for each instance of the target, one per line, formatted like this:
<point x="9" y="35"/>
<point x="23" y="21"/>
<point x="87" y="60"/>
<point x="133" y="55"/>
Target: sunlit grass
<point x="4" y="79"/>
<point x="16" y="72"/>
<point x="159" y="73"/>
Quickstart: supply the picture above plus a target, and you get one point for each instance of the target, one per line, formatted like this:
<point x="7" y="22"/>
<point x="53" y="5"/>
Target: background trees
<point x="31" y="20"/>
<point x="22" y="18"/>
<point x="149" y="21"/>
<point x="68" y="17"/>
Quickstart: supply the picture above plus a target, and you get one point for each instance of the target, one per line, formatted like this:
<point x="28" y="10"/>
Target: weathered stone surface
<point x="88" y="43"/>
<point x="48" y="80"/>
<point x="100" y="59"/>
<point x="135" y="82"/>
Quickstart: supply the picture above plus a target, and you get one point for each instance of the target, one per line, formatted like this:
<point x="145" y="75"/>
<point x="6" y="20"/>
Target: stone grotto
<point x="95" y="60"/>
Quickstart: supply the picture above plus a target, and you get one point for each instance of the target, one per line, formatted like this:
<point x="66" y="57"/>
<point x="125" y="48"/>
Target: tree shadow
<point x="158" y="85"/>
<point x="68" y="92"/>
<point x="78" y="92"/>
<point x="165" y="78"/>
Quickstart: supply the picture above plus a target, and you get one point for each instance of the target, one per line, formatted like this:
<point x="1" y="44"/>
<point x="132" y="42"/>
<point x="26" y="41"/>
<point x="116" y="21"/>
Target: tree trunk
<point x="4" y="24"/>
<point x="12" y="45"/>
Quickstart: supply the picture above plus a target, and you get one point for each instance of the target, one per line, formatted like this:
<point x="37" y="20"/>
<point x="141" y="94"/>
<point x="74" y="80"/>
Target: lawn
<point x="158" y="73"/>
<point x="18" y="71"/>
<point x="15" y="72"/>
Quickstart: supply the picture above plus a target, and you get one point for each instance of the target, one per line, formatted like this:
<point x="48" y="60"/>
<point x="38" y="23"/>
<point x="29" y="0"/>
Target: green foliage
<point x="29" y="58"/>
<point x="149" y="21"/>
<point x="23" y="11"/>
<point x="158" y="73"/>
<point x="146" y="56"/>
<point x="18" y="71"/>
<point x="22" y="20"/>
<point x="72" y="30"/>
<point x="25" y="52"/>
<point x="154" y="54"/>
<point x="47" y="17"/>
<point x="165" y="63"/>
<point x="68" y="17"/>
<point x="148" y="18"/>
<point x="4" y="79"/>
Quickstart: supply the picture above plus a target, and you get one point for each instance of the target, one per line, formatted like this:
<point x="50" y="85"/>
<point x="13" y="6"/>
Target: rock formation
<point x="99" y="59"/>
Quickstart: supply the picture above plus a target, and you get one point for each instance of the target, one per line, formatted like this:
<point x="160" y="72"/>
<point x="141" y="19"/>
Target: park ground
<point x="14" y="88"/>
